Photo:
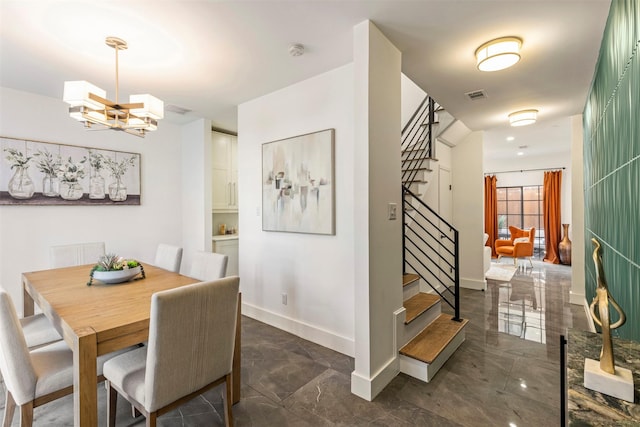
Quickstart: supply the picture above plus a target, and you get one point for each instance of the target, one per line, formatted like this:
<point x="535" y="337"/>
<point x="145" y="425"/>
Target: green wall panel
<point x="612" y="163"/>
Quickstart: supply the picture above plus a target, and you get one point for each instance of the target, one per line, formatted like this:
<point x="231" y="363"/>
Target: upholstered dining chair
<point x="32" y="377"/>
<point x="191" y="342"/>
<point x="520" y="245"/>
<point x="76" y="254"/>
<point x="208" y="266"/>
<point x="168" y="257"/>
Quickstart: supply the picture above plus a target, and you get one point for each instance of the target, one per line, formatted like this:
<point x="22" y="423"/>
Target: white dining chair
<point x="33" y="377"/>
<point x="192" y="333"/>
<point x="168" y="257"/>
<point x="76" y="254"/>
<point x="208" y="266"/>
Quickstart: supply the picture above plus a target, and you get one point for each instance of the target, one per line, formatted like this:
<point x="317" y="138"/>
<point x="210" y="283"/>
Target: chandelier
<point x="89" y="106"/>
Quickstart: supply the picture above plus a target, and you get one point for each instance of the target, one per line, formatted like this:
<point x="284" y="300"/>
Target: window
<point x="522" y="208"/>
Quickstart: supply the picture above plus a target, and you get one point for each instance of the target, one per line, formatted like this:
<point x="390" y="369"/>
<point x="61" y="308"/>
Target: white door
<point x="446" y="211"/>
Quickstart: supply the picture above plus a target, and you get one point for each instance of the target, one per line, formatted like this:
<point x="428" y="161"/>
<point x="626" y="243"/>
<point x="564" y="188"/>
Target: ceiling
<point x="210" y="56"/>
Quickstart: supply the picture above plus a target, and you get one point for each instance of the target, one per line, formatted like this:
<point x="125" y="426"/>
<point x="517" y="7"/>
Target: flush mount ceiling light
<point x="89" y="106"/>
<point x="498" y="54"/>
<point x="523" y="117"/>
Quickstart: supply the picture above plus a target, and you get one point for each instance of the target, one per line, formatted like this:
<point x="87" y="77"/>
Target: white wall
<point x="27" y="232"/>
<point x="315" y="271"/>
<point x="196" y="189"/>
<point x="377" y="130"/>
<point x="468" y="208"/>
<point x="576" y="231"/>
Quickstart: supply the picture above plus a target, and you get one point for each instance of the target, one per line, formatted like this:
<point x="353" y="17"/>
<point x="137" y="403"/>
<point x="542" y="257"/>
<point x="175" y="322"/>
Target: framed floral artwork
<point x="44" y="173"/>
<point x="298" y="192"/>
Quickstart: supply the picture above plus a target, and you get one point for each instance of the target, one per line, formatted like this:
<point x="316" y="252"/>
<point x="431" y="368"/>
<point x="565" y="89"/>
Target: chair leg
<point x="9" y="410"/>
<point x="515" y="261"/>
<point x="112" y="400"/>
<point x="26" y="414"/>
<point x="151" y="419"/>
<point x="531" y="262"/>
<point x="228" y="402"/>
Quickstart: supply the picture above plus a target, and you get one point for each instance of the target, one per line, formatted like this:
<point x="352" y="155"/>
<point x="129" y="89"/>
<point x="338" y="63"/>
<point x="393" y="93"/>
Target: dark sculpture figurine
<point x="602" y="319"/>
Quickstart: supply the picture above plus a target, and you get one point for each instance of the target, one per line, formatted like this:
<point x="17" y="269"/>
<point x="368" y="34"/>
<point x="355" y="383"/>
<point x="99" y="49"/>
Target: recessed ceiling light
<point x="498" y="54"/>
<point x="510" y="138"/>
<point x="523" y="117"/>
<point x="296" y="49"/>
<point x="520" y="153"/>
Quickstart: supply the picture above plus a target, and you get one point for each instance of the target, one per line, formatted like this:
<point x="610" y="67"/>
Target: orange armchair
<point x="520" y="245"/>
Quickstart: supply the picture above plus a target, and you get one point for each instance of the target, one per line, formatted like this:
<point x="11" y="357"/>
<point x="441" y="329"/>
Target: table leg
<point x="27" y="301"/>
<point x="85" y="378"/>
<point x="235" y="379"/>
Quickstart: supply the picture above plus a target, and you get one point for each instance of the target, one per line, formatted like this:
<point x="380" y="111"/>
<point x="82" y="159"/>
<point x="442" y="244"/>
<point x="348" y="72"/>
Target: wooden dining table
<point x="101" y="318"/>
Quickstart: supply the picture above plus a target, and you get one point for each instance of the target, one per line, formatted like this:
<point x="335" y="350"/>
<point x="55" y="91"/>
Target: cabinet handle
<point x="235" y="195"/>
<point x="229" y="198"/>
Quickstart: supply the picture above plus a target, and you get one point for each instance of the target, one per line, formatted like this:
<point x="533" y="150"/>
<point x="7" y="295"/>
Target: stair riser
<point x="415" y="176"/>
<point x="416" y="164"/>
<point x="414" y="328"/>
<point x="426" y="371"/>
<point x="410" y="290"/>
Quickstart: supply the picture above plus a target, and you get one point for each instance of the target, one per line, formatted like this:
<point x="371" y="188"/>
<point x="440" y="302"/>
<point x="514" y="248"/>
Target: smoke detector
<point x="296" y="49"/>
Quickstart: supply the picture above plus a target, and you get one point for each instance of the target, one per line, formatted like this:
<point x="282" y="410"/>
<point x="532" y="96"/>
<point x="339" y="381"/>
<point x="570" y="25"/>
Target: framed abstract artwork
<point x="43" y="173"/>
<point x="298" y="189"/>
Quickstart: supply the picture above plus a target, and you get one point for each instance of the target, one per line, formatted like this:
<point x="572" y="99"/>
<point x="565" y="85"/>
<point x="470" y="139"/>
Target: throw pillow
<point x="521" y="240"/>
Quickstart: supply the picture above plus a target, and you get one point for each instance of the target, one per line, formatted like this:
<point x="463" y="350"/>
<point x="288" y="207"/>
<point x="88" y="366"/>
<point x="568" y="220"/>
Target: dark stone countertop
<point x="591" y="408"/>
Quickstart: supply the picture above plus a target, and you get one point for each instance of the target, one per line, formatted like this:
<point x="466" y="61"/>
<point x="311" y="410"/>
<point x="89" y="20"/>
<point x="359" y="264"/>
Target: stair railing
<point x="430" y="243"/>
<point x="431" y="249"/>
<point x="417" y="140"/>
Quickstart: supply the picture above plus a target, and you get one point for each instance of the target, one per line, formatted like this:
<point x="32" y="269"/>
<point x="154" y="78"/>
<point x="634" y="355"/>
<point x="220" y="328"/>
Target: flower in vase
<point x="17" y="159"/>
<point x="96" y="160"/>
<point x="71" y="171"/>
<point x="117" y="169"/>
<point x="46" y="163"/>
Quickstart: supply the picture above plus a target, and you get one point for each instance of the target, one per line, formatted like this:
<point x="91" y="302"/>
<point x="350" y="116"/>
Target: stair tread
<point x="433" y="339"/>
<point x="416" y="169"/>
<point x="418" y="304"/>
<point x="409" y="278"/>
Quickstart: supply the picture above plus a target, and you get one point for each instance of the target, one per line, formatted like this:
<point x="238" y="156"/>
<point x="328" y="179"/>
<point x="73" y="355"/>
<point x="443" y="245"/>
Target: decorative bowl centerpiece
<point x="112" y="268"/>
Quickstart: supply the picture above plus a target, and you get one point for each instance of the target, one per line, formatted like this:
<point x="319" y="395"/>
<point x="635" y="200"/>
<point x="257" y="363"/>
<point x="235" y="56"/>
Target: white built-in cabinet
<point x="224" y="162"/>
<point x="228" y="247"/>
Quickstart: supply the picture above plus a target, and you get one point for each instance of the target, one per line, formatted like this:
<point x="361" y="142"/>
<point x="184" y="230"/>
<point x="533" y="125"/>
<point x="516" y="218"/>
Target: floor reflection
<point x="533" y="306"/>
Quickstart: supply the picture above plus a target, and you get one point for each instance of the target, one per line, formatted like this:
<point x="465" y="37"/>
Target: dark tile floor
<point x="506" y="373"/>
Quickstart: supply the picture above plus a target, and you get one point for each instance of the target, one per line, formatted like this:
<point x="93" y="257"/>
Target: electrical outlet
<point x="284" y="299"/>
<point x="392" y="210"/>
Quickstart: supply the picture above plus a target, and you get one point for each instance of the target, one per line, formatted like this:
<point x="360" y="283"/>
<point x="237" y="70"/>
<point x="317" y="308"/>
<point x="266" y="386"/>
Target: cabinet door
<point x="230" y="249"/>
<point x="233" y="172"/>
<point x="220" y="189"/>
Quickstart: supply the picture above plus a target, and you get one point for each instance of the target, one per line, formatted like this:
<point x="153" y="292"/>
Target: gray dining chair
<point x="192" y="333"/>
<point x="33" y="377"/>
<point x="168" y="257"/>
<point x="208" y="266"/>
<point x="76" y="254"/>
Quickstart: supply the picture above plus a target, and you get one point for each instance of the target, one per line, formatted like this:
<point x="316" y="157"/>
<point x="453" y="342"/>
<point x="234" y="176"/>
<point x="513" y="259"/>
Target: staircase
<point x="426" y="337"/>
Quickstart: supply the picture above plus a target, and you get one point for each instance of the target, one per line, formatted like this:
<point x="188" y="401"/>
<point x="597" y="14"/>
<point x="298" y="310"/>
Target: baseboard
<point x="475" y="284"/>
<point x="368" y="388"/>
<point x="301" y="329"/>
<point x="576" y="298"/>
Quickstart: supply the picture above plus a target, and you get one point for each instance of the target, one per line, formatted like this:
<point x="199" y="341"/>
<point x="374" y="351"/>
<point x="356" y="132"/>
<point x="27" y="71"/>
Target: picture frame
<point x="298" y="188"/>
<point x="44" y="173"/>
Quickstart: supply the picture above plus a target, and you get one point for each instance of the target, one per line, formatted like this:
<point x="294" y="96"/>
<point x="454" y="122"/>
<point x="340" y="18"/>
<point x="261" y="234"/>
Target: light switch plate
<point x="392" y="210"/>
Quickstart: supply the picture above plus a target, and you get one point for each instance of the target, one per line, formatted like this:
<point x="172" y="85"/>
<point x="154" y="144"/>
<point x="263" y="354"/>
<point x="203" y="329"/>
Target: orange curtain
<point x="551" y="207"/>
<point x="491" y="212"/>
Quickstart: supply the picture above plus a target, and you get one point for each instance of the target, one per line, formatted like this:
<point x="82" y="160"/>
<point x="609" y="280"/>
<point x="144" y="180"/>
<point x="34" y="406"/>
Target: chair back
<point x="518" y="233"/>
<point x="15" y="361"/>
<point x="168" y="257"/>
<point x="208" y="266"/>
<point x="191" y="339"/>
<point x="76" y="254"/>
